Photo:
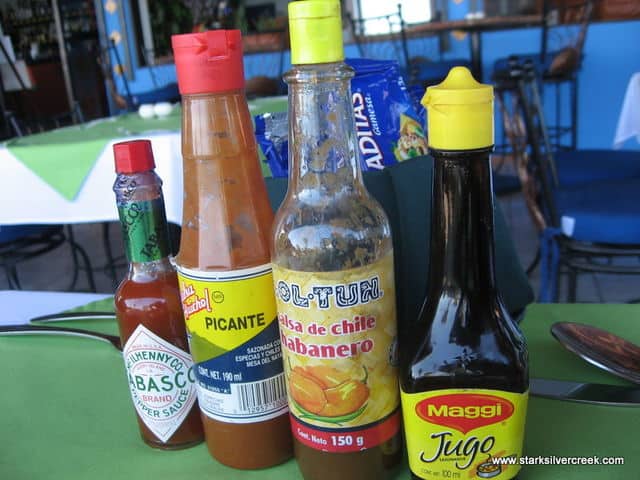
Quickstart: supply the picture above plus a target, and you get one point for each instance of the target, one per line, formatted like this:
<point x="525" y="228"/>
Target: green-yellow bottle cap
<point x="459" y="112"/>
<point x="315" y="31"/>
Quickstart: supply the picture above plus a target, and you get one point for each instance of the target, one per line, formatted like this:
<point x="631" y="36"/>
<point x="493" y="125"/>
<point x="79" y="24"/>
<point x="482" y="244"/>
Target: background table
<point x="475" y="27"/>
<point x="67" y="412"/>
<point x="66" y="175"/>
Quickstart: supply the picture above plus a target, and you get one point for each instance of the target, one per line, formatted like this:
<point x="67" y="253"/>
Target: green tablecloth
<point x="64" y="157"/>
<point x="66" y="412"/>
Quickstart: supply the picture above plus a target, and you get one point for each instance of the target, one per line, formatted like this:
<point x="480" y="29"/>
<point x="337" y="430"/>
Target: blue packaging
<point x="388" y="120"/>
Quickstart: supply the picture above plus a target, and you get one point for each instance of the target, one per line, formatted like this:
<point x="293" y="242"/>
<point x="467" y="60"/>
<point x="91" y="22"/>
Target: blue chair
<point x="588" y="224"/>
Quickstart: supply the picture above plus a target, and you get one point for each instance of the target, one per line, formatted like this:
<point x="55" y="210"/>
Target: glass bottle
<point x="333" y="270"/>
<point x="147" y="303"/>
<point x="223" y="262"/>
<point x="464" y="371"/>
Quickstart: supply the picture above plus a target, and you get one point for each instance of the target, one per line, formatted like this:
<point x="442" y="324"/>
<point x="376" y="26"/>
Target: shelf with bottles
<point x="34" y="13"/>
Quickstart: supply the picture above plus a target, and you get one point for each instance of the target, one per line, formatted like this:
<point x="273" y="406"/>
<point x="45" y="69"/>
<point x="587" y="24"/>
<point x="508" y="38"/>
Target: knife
<point x="75" y="332"/>
<point x="613" y="395"/>
<point x="59" y="317"/>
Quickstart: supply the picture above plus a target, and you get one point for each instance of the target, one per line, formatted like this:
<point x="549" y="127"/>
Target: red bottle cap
<point x="208" y="62"/>
<point x="133" y="157"/>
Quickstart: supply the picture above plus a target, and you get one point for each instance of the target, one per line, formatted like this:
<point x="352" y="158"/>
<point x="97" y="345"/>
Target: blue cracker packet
<point x="388" y="120"/>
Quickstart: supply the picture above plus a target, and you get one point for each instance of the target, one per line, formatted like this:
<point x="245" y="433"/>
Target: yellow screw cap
<point x="315" y="31"/>
<point x="459" y="112"/>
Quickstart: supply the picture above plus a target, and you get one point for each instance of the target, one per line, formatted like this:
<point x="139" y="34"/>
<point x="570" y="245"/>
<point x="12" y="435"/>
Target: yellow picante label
<point x="338" y="332"/>
<point x="464" y="433"/>
<point x="234" y="341"/>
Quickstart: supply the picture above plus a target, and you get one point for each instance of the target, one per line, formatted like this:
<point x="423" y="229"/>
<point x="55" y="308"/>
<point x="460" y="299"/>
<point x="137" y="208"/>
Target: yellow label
<point x="464" y="433"/>
<point x="227" y="308"/>
<point x="338" y="333"/>
<point x="234" y="341"/>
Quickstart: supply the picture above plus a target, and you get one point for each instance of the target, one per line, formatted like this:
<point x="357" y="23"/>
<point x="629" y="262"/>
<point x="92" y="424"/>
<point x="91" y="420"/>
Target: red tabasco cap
<point x="208" y="62"/>
<point x="134" y="156"/>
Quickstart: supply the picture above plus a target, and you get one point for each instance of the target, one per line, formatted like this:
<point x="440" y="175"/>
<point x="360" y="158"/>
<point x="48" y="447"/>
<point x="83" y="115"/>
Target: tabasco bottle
<point x="147" y="304"/>
<point x="464" y="375"/>
<point x="223" y="263"/>
<point x="333" y="270"/>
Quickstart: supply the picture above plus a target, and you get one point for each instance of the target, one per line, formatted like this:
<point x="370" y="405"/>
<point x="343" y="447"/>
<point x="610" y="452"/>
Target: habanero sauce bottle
<point x="464" y="367"/>
<point x="223" y="264"/>
<point x="333" y="270"/>
<point x="147" y="304"/>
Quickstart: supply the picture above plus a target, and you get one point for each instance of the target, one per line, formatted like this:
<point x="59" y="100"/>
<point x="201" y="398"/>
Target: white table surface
<point x="25" y="198"/>
<point x="18" y="306"/>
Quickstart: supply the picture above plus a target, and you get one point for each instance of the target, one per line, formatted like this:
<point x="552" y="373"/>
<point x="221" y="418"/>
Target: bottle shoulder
<point x="464" y="343"/>
<point x="150" y="281"/>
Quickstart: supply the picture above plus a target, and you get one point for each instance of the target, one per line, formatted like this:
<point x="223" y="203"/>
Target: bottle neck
<point x="142" y="217"/>
<point x="462" y="242"/>
<point x="323" y="155"/>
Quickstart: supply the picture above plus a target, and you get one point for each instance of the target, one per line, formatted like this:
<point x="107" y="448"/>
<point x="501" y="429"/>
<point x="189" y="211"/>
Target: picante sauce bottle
<point x="464" y="374"/>
<point x="147" y="303"/>
<point x="223" y="263"/>
<point x="333" y="270"/>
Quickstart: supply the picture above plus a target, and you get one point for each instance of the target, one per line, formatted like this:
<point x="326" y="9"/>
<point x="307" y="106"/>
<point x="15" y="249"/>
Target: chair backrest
<point x="538" y="160"/>
<point x="508" y="103"/>
<point x="557" y="14"/>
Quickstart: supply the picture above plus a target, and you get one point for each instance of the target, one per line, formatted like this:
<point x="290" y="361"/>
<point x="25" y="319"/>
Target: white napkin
<point x="629" y="121"/>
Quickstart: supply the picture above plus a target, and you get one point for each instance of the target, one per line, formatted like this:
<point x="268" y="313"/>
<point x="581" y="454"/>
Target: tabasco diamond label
<point x="161" y="381"/>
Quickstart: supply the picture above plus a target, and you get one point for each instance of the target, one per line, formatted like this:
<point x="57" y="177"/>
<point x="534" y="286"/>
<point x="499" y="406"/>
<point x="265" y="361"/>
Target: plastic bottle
<point x="147" y="303"/>
<point x="333" y="270"/>
<point x="223" y="262"/>
<point x="464" y="371"/>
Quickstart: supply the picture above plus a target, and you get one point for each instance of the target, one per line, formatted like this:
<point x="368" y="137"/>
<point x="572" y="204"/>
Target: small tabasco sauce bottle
<point x="147" y="303"/>
<point x="223" y="264"/>
<point x="333" y="270"/>
<point x="464" y="375"/>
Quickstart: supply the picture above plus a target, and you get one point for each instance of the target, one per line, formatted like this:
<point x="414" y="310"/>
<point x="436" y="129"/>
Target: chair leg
<point x="534" y="263"/>
<point x="12" y="277"/>
<point x="76" y="249"/>
<point x="574" y="111"/>
<point x="111" y="262"/>
<point x="74" y="256"/>
<point x="572" y="285"/>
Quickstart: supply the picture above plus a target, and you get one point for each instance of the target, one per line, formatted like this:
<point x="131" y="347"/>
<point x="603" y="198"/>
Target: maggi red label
<point x="464" y="412"/>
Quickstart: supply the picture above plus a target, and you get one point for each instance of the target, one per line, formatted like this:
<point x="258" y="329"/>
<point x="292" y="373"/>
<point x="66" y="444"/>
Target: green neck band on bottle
<point x="144" y="230"/>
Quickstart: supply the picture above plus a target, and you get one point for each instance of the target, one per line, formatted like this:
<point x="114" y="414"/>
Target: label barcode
<point x="257" y="395"/>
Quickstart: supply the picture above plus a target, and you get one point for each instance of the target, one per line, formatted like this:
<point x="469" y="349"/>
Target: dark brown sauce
<point x="464" y="337"/>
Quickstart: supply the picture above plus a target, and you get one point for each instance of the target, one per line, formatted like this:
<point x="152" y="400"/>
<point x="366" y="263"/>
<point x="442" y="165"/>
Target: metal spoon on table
<point x="600" y="348"/>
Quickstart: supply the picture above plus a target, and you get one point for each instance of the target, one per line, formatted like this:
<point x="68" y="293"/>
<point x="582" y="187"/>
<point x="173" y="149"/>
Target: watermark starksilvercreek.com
<point x="555" y="460"/>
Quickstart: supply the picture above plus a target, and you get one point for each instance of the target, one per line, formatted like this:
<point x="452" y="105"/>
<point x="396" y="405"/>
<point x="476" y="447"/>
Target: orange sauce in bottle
<point x="224" y="262"/>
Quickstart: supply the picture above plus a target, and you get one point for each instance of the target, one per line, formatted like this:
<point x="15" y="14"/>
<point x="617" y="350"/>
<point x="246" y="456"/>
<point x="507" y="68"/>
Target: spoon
<point x="600" y="348"/>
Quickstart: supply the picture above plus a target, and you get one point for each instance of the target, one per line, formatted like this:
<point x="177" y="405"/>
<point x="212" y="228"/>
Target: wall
<point x="612" y="54"/>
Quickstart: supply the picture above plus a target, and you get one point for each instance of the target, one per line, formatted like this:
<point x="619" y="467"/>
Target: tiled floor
<point x="54" y="270"/>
